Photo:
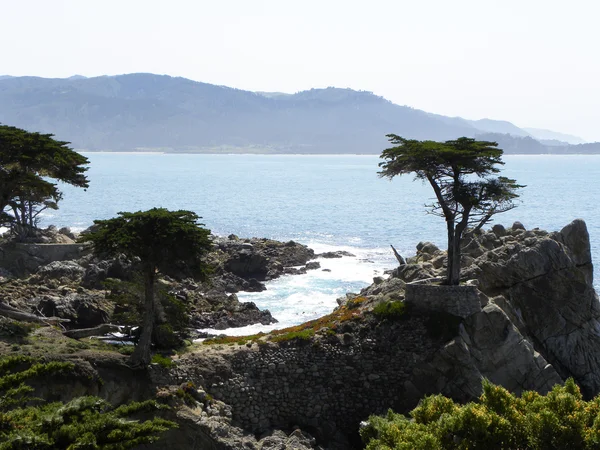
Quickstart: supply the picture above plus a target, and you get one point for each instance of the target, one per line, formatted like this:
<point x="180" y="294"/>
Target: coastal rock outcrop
<point x="532" y="321"/>
<point x="261" y="259"/>
<point x="544" y="283"/>
<point x="63" y="267"/>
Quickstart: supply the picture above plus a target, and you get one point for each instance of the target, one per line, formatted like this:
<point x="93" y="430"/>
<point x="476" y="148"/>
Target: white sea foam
<point x="294" y="299"/>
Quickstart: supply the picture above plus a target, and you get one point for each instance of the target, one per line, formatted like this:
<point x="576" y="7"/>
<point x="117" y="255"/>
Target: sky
<point x="532" y="62"/>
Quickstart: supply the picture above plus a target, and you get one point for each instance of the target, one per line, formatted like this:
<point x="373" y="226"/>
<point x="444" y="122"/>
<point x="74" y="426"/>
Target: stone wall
<point x="328" y="386"/>
<point x="460" y="301"/>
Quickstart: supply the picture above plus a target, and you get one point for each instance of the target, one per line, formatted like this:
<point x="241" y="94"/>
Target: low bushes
<point x="390" y="310"/>
<point x="83" y="423"/>
<point x="499" y="420"/>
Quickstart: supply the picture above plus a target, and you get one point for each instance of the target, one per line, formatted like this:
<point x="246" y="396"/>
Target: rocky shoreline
<point x="526" y="317"/>
<point x="531" y="320"/>
<point x="74" y="289"/>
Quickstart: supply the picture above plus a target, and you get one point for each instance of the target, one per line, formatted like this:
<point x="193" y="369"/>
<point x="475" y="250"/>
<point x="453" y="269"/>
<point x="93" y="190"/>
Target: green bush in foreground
<point x="83" y="423"/>
<point x="499" y="420"/>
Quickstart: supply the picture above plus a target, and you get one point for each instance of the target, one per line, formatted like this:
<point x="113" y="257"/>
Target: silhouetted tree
<point x="459" y="173"/>
<point x="28" y="162"/>
<point x="163" y="240"/>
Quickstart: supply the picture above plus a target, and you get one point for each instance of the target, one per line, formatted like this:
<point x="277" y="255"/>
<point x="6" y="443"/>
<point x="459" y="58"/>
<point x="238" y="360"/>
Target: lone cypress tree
<point x="163" y="241"/>
<point x="459" y="172"/>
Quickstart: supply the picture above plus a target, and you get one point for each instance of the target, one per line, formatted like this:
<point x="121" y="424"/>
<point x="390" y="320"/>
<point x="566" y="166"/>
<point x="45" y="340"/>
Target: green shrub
<point x="499" y="420"/>
<point x="389" y="310"/>
<point x="82" y="423"/>
<point x="126" y="349"/>
<point x="303" y="335"/>
<point x="13" y="328"/>
<point x="163" y="361"/>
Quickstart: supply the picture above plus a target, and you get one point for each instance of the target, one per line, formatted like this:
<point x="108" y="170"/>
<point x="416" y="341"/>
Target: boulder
<point x="84" y="310"/>
<point x="488" y="346"/>
<point x="334" y="254"/>
<point x="96" y="272"/>
<point x="65" y="271"/>
<point x="245" y="314"/>
<point x="248" y="264"/>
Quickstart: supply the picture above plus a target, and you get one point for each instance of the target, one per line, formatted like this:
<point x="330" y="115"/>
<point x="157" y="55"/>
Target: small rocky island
<point x="526" y="317"/>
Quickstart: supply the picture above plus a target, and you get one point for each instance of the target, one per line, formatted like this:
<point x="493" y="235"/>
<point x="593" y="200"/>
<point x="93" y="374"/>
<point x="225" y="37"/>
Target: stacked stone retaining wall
<point x="329" y="385"/>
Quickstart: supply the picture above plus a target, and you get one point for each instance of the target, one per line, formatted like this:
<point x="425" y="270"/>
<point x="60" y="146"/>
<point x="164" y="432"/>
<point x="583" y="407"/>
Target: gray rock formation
<point x="488" y="346"/>
<point x="65" y="271"/>
<point x="532" y="321"/>
<point x="546" y="283"/>
<point x="84" y="310"/>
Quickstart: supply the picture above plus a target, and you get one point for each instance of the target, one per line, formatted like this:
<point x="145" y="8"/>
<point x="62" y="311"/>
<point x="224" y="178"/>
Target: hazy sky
<point x="535" y="63"/>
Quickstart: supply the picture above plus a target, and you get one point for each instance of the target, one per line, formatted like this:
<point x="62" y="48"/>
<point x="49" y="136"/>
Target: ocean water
<point x="328" y="202"/>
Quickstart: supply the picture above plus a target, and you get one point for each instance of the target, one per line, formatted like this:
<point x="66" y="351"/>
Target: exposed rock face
<point x="537" y="325"/>
<point x="65" y="271"/>
<point x="221" y="311"/>
<point x="545" y="280"/>
<point x="262" y="259"/>
<point x="84" y="310"/>
<point x="238" y="265"/>
<point x="488" y="346"/>
<point x="211" y="428"/>
<point x="97" y="271"/>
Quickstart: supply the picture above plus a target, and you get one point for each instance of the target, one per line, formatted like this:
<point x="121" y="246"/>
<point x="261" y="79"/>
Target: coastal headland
<point x="525" y="317"/>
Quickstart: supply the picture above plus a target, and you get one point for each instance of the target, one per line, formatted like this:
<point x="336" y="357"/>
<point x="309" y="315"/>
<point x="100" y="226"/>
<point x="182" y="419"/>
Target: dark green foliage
<point x="171" y="242"/>
<point x="14" y="328"/>
<point x="499" y="420"/>
<point x="166" y="241"/>
<point x="83" y="423"/>
<point x="459" y="172"/>
<point x="28" y="162"/>
<point x="171" y="318"/>
<point x="390" y="310"/>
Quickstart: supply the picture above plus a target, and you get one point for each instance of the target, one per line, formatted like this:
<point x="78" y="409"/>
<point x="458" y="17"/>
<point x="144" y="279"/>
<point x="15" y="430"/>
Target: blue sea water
<point x="327" y="202"/>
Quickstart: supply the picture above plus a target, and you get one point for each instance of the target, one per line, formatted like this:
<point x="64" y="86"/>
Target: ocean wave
<point x="294" y="299"/>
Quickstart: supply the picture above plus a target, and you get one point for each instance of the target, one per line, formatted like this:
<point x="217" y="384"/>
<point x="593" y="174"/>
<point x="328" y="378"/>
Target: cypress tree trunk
<point x="141" y="355"/>
<point x="454" y="267"/>
<point x="454" y="273"/>
<point x="450" y="265"/>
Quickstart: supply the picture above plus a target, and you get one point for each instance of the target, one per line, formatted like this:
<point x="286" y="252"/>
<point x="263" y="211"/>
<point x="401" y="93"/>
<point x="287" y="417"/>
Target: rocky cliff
<point x="543" y="282"/>
<point x="527" y="319"/>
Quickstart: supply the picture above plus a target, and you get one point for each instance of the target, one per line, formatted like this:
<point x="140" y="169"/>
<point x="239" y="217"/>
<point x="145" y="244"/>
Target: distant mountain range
<point x="162" y="113"/>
